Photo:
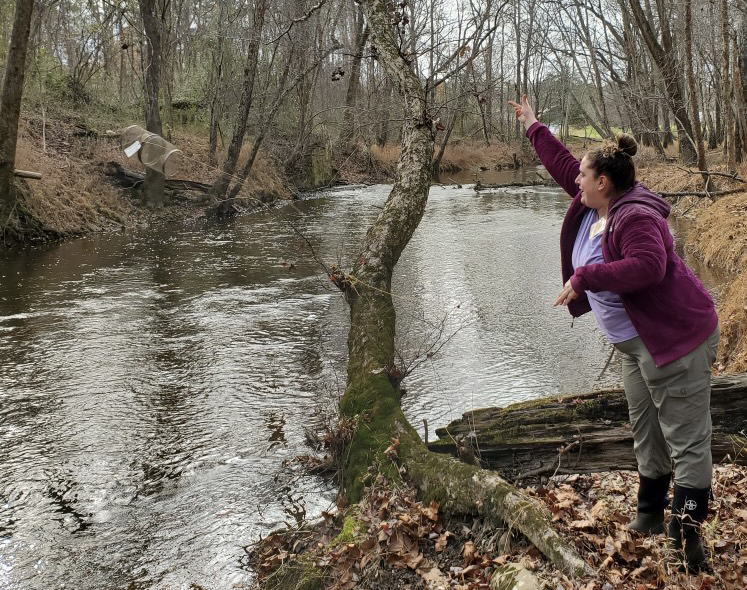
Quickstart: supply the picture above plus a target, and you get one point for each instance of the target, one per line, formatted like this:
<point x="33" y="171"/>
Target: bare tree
<point x="10" y="103"/>
<point x="220" y="186"/>
<point x="728" y="91"/>
<point x="664" y="53"/>
<point x="348" y="128"/>
<point x="690" y="73"/>
<point x="155" y="181"/>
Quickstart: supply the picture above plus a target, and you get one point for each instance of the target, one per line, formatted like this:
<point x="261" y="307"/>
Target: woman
<point x="618" y="260"/>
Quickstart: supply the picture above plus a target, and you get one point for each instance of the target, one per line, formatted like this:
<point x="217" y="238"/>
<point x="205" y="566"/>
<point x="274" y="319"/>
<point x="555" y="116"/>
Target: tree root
<point x="463" y="489"/>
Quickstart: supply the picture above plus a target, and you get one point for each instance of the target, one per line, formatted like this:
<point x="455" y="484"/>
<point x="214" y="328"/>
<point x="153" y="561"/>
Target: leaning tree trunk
<point x="665" y="56"/>
<point x="709" y="184"/>
<point x="10" y="102"/>
<point x="348" y="129"/>
<point x="585" y="433"/>
<point x="372" y="395"/>
<point x="155" y="181"/>
<point x="729" y="131"/>
<point x="220" y="186"/>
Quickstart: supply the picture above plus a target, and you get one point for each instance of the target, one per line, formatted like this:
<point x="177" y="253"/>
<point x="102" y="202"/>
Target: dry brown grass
<point x="733" y="317"/>
<point x="365" y="165"/>
<point x="721" y="236"/>
<point x="71" y="197"/>
<point x="74" y="197"/>
<point x="459" y="155"/>
<point x="469" y="155"/>
<point x="721" y="240"/>
<point x="386" y="155"/>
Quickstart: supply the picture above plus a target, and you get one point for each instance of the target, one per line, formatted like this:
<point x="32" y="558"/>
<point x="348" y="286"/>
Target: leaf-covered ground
<point x="391" y="540"/>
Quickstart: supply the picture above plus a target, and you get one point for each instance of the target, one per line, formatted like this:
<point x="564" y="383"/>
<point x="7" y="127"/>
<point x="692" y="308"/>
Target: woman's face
<point x="594" y="188"/>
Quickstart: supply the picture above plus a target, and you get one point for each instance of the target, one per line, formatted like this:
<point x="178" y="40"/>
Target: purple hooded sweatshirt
<point x="669" y="307"/>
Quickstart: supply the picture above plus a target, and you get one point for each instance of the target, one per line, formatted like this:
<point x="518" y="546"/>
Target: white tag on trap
<point x="133" y="149"/>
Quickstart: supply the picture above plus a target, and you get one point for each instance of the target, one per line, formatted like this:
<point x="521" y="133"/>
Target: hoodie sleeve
<point x="643" y="262"/>
<point x="560" y="163"/>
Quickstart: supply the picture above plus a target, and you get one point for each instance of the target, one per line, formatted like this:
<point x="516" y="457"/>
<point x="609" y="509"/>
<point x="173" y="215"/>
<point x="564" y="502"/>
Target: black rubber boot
<point x="689" y="511"/>
<point x="652" y="499"/>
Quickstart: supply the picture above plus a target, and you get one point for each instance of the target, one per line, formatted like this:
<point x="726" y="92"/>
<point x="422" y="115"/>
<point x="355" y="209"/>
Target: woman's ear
<point x="603" y="182"/>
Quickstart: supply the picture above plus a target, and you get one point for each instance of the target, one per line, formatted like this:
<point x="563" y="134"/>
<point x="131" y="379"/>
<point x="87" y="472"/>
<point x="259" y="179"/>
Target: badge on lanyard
<point x="597" y="228"/>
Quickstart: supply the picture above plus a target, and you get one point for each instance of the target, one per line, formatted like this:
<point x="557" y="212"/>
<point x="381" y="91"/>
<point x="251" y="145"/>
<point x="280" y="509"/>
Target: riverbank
<point x="719" y="239"/>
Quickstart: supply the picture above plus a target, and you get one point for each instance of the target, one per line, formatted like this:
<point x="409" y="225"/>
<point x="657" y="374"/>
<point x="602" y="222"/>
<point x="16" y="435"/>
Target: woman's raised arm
<point x="559" y="161"/>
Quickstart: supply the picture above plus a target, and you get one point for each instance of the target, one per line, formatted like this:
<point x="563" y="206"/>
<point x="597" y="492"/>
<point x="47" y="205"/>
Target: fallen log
<point x="130" y="179"/>
<point x="519" y="183"/>
<point x="704" y="194"/>
<point x="579" y="434"/>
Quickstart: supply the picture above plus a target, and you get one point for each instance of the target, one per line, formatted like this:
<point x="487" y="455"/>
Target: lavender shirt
<point x="607" y="306"/>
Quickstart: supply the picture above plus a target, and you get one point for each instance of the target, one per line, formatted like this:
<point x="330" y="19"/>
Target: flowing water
<point x="153" y="382"/>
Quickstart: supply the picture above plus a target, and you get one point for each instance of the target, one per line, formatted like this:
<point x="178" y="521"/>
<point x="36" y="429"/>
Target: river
<point x="153" y="382"/>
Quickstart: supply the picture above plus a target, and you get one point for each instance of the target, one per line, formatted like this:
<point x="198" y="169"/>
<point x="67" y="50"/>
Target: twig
<point x="311" y="247"/>
<point x="542" y="469"/>
<point x="563" y="451"/>
<point x="702" y="193"/>
<point x="607" y="364"/>
<point x="731" y="175"/>
<point x="306" y="16"/>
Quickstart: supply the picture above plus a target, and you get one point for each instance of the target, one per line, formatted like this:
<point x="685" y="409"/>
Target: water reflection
<point x="152" y="383"/>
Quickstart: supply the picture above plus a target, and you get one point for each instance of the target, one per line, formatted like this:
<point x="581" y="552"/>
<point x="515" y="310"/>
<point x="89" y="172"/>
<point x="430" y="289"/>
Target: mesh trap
<point x="152" y="150"/>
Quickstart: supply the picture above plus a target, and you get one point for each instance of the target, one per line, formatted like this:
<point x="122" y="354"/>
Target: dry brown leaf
<point x="600" y="510"/>
<point x="442" y="541"/>
<point x="391" y="450"/>
<point x="434" y="575"/>
<point x="413" y="559"/>
<point x="431" y="512"/>
<point x="468" y="552"/>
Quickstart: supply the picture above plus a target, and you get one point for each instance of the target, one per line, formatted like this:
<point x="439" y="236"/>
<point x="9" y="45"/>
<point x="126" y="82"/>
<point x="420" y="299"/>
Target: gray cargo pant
<point x="670" y="411"/>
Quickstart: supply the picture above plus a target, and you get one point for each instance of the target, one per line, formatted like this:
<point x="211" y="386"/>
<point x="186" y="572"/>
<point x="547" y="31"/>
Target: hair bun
<point x="626" y="144"/>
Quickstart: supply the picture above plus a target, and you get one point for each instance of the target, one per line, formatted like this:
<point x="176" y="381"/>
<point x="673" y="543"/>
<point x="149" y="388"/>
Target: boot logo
<point x="691" y="505"/>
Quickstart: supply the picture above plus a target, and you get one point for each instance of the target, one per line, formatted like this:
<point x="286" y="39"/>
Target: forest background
<point x="298" y="86"/>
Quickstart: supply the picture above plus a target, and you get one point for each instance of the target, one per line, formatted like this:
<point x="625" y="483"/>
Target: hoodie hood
<point x="640" y="194"/>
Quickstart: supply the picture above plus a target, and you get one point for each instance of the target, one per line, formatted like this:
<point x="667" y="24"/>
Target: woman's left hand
<point x="566" y="295"/>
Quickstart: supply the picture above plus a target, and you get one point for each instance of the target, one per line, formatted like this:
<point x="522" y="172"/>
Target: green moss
<point x="350" y="526"/>
<point x="296" y="575"/>
<point x="374" y="400"/>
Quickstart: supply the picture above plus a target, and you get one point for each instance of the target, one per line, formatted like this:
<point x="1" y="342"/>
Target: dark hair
<point x="615" y="159"/>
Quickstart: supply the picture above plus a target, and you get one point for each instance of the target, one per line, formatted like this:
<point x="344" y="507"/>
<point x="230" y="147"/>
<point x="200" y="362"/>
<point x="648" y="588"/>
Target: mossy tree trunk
<point x="372" y="395"/>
